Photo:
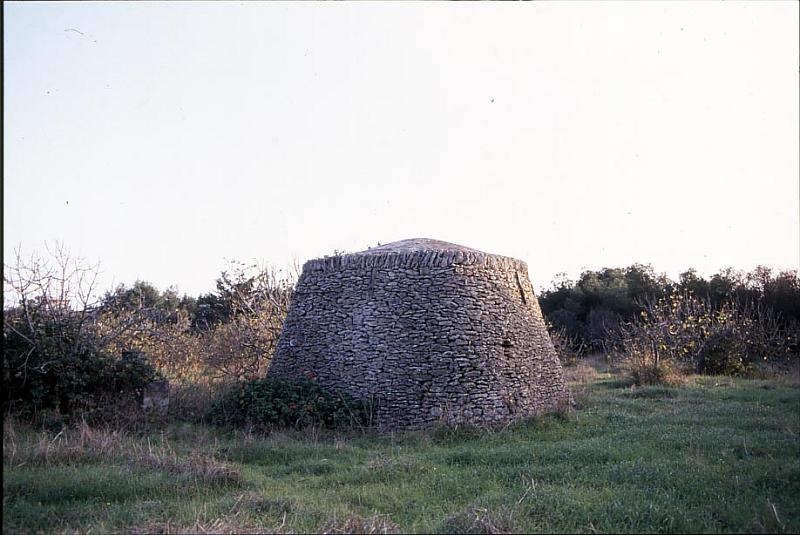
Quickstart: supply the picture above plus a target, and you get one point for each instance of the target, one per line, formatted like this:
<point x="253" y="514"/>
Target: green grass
<point x="717" y="455"/>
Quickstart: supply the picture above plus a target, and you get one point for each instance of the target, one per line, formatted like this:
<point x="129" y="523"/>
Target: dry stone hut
<point x="428" y="330"/>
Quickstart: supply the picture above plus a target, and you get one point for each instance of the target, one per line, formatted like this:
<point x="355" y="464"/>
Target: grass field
<point x="716" y="455"/>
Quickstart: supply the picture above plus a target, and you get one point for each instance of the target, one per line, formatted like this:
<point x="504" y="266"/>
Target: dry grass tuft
<point x="378" y="462"/>
<point x="10" y="440"/>
<point x="201" y="469"/>
<point x="481" y="520"/>
<point x="643" y="369"/>
<point x="588" y="369"/>
<point x="84" y="444"/>
<point x="255" y="503"/>
<point x="581" y="374"/>
<point x="75" y="445"/>
<point x="376" y="523"/>
<point x="224" y="525"/>
<point x="238" y="520"/>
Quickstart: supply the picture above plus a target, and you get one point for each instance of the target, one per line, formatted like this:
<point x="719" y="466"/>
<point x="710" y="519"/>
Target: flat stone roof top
<point x="418" y="245"/>
<point x="413" y="253"/>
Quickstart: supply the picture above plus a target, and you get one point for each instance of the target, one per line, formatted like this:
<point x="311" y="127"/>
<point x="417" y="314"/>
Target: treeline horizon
<point x="581" y="309"/>
<point x="585" y="309"/>
<point x="67" y="345"/>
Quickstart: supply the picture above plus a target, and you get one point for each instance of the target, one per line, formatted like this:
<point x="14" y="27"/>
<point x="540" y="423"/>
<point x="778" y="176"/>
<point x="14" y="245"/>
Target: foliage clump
<point x="54" y="377"/>
<point x="269" y="402"/>
<point x="583" y="311"/>
<point x="685" y="334"/>
<point x="220" y="337"/>
<point x="65" y="344"/>
<point x="54" y="361"/>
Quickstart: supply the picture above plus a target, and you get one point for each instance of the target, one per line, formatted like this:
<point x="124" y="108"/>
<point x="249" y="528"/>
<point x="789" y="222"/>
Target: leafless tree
<point x="59" y="289"/>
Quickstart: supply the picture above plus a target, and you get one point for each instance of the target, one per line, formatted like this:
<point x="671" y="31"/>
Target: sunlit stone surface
<point x="431" y="331"/>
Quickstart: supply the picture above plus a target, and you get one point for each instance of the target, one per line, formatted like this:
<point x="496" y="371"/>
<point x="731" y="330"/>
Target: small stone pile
<point x="429" y="331"/>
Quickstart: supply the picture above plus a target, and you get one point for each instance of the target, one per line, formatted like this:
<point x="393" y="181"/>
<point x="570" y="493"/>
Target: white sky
<point x="164" y="138"/>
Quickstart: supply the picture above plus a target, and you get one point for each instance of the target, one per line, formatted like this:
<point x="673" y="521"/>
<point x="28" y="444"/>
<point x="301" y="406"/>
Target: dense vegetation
<point x="65" y="349"/>
<point x="585" y="310"/>
<point x="68" y="352"/>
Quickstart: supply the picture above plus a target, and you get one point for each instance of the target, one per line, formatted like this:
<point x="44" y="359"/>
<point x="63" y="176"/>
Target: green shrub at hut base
<point x="267" y="403"/>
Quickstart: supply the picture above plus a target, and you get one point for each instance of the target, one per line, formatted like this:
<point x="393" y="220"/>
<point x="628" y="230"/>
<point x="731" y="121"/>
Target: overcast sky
<point x="165" y="138"/>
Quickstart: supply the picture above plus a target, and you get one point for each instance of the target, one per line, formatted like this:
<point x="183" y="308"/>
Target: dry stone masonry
<point x="430" y="331"/>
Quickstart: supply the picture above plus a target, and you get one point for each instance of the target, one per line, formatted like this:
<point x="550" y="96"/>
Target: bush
<point x="642" y="366"/>
<point x="55" y="375"/>
<point x="55" y="363"/>
<point x="266" y="403"/>
<point x="723" y="354"/>
<point x="684" y="333"/>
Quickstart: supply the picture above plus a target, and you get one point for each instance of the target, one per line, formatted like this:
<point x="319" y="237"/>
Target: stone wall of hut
<point x="429" y="337"/>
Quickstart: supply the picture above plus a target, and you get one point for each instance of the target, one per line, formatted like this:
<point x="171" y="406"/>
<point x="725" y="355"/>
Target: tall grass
<point x="83" y="445"/>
